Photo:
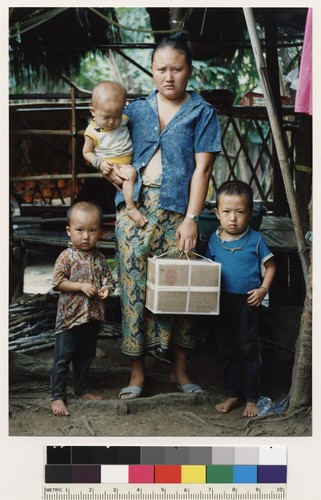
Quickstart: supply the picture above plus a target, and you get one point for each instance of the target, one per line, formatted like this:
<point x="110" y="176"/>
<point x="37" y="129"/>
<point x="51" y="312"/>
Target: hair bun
<point x="179" y="36"/>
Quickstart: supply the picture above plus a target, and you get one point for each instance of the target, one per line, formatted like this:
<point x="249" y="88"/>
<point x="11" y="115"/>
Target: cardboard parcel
<point x="183" y="286"/>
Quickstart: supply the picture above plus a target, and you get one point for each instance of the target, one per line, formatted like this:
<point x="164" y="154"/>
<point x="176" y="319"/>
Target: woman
<point x="175" y="135"/>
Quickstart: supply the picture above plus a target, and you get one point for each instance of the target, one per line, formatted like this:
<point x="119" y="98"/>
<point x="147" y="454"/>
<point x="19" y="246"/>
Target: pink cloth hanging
<point x="303" y="98"/>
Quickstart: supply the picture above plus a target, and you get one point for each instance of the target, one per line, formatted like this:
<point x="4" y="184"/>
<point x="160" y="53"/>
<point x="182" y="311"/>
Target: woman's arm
<point x="186" y="233"/>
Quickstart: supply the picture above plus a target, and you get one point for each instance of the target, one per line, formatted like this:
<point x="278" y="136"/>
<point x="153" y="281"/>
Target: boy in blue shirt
<point x="242" y="253"/>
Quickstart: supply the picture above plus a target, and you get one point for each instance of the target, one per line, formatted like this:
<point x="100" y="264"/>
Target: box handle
<point x="181" y="255"/>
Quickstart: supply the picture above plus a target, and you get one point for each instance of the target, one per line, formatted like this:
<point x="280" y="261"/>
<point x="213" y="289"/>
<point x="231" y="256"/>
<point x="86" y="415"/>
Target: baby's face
<point x="108" y="115"/>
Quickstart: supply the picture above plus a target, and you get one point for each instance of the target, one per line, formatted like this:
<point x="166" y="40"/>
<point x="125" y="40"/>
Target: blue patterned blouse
<point x="194" y="129"/>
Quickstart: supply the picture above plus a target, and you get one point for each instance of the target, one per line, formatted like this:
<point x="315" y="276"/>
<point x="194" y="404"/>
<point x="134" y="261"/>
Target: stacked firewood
<point x="32" y="324"/>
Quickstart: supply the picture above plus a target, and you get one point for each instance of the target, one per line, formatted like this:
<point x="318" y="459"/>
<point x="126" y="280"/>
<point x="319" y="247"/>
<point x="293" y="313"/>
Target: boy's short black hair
<point x="85" y="206"/>
<point x="238" y="188"/>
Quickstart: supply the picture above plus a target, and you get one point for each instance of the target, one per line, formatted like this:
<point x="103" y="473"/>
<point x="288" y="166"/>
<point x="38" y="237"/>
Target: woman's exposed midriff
<point x="154" y="168"/>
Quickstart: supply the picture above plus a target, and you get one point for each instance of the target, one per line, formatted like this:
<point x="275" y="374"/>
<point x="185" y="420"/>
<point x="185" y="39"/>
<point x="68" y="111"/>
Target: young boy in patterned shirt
<point x="84" y="281"/>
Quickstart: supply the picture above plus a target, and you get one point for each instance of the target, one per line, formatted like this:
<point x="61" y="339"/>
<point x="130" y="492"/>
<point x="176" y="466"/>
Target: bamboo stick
<point x="279" y="141"/>
<point x="73" y="144"/>
<point x="53" y="177"/>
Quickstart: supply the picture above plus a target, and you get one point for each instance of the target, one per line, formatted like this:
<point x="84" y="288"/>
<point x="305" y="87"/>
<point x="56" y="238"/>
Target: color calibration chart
<point x="165" y="473"/>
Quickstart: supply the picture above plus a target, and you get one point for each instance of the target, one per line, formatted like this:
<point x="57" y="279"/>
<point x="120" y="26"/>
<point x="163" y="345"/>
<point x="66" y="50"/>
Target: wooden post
<point x="278" y="139"/>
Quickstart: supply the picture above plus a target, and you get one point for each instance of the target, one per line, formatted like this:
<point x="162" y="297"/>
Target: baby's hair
<point x="115" y="89"/>
<point x="85" y="206"/>
<point x="177" y="41"/>
<point x="238" y="188"/>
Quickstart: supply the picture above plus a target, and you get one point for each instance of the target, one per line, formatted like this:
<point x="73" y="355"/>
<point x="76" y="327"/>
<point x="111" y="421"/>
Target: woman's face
<point x="170" y="72"/>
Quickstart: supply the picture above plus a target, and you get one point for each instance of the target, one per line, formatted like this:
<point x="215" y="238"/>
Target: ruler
<point x="167" y="492"/>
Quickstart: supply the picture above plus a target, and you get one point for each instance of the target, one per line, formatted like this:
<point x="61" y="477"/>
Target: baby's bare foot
<point x="90" y="396"/>
<point x="59" y="409"/>
<point x="228" y="405"/>
<point x="136" y="216"/>
<point x="250" y="410"/>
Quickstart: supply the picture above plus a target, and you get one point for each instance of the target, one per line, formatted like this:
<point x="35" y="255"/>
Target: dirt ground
<point x="162" y="411"/>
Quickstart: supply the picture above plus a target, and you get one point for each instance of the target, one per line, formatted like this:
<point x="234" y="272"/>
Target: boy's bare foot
<point x="136" y="216"/>
<point x="90" y="396"/>
<point x="250" y="410"/>
<point x="228" y="405"/>
<point x="59" y="409"/>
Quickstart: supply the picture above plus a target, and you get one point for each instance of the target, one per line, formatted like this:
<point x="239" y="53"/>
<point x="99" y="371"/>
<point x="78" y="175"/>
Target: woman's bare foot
<point x="59" y="409"/>
<point x="228" y="405"/>
<point x="250" y="410"/>
<point x="90" y="396"/>
<point x="136" y="216"/>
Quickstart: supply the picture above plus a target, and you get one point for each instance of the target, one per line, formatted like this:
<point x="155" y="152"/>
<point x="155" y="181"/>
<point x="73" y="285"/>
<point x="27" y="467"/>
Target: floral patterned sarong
<point x="142" y="330"/>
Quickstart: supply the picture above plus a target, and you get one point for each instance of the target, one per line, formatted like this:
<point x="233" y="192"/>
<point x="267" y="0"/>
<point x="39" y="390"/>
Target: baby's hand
<point x="105" y="167"/>
<point x="103" y="292"/>
<point x="88" y="289"/>
<point x="256" y="296"/>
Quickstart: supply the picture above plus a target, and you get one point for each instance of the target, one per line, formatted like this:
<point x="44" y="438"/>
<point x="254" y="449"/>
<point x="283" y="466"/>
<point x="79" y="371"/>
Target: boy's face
<point x="107" y="114"/>
<point x="84" y="229"/>
<point x="234" y="213"/>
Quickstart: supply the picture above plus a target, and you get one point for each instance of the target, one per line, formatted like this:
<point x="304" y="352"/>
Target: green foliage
<point x="95" y="68"/>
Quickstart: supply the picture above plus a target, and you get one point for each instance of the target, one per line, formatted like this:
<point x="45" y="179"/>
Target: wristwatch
<point x="195" y="218"/>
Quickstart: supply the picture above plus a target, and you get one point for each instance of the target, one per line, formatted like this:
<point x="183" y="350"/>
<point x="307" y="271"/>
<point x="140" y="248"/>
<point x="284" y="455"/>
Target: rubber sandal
<point x="191" y="389"/>
<point x="130" y="392"/>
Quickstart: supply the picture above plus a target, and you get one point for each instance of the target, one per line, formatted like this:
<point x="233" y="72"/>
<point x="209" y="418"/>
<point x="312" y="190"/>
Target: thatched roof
<point x="48" y="42"/>
<point x="218" y="32"/>
<point x="52" y="41"/>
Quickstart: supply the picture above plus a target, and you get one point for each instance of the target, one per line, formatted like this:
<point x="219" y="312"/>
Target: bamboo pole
<point x="66" y="133"/>
<point x="73" y="144"/>
<point x="279" y="141"/>
<point x="54" y="177"/>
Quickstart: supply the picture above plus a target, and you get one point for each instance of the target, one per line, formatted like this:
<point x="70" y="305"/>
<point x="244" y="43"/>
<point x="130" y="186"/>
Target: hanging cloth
<point x="303" y="98"/>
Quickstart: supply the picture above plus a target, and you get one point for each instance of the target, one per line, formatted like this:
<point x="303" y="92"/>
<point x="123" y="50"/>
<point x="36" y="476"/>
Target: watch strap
<point x="194" y="217"/>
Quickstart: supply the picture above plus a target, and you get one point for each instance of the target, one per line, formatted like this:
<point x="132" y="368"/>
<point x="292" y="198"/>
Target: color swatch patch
<point x="165" y="465"/>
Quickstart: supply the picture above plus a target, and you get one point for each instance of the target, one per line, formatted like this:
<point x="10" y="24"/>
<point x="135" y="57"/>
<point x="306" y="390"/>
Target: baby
<point x="107" y="140"/>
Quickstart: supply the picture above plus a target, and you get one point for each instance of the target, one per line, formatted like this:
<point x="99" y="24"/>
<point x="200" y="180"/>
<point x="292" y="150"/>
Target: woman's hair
<point x="238" y="188"/>
<point x="177" y="41"/>
<point x="85" y="206"/>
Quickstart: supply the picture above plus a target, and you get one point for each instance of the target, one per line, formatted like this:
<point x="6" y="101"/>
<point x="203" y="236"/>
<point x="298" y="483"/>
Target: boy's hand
<point x="256" y="296"/>
<point x="88" y="289"/>
<point x="103" y="292"/>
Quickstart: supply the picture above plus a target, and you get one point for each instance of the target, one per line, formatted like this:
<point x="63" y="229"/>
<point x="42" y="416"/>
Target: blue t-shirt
<point x="194" y="129"/>
<point x="241" y="267"/>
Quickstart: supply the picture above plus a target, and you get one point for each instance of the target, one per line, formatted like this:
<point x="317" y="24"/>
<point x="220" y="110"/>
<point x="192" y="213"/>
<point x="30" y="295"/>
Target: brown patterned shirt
<point x="74" y="308"/>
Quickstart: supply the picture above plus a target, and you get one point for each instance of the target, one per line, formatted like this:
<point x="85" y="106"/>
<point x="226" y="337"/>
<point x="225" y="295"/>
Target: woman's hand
<point x="113" y="174"/>
<point x="186" y="235"/>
